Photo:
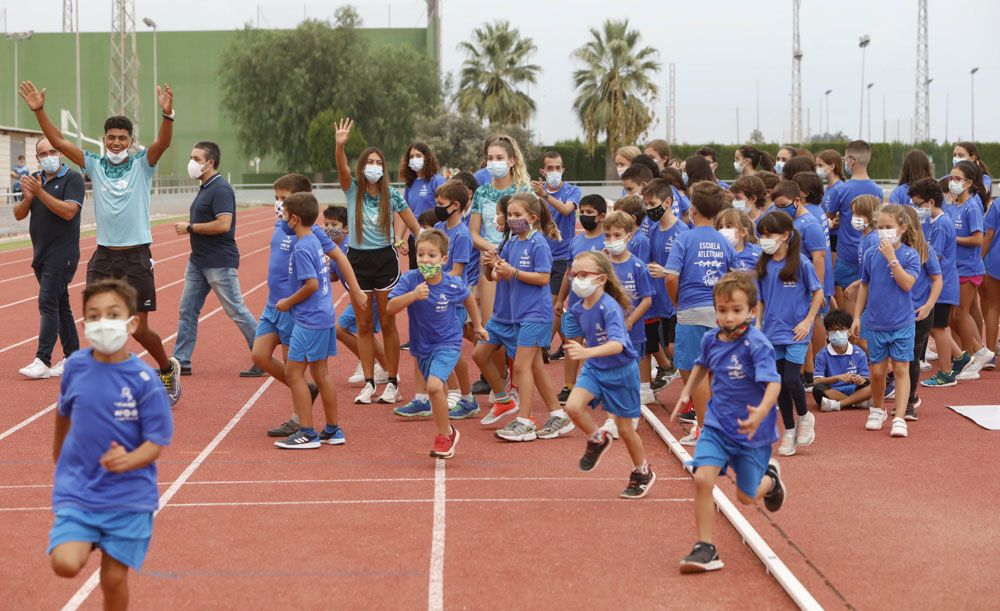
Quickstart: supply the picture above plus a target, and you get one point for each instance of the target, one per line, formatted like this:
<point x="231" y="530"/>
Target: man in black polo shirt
<point x="53" y="197"/>
<point x="214" y="256"/>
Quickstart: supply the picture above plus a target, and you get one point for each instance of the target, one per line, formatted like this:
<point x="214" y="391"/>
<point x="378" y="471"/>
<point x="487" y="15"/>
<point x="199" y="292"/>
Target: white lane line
<point x="774" y="565"/>
<point x="435" y="586"/>
<point x="91" y="584"/>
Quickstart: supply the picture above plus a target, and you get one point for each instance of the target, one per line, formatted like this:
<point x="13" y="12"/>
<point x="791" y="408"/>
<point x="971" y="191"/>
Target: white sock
<point x="834" y="405"/>
<point x="454" y="393"/>
<point x="644" y="386"/>
<point x="421" y="397"/>
<point x="467" y="397"/>
<point x="295" y="418"/>
<point x="559" y="413"/>
<point x="524" y="420"/>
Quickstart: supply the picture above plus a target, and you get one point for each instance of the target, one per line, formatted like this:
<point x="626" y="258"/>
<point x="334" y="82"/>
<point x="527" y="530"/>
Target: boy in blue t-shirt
<point x="314" y="336"/>
<point x="740" y="425"/>
<point x="432" y="300"/>
<point x="841" y="373"/>
<point x="112" y="421"/>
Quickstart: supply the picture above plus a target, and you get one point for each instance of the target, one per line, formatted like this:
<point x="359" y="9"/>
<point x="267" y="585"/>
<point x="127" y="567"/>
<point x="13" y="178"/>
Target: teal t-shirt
<point x="484" y="202"/>
<point x="372" y="235"/>
<point x="121" y="198"/>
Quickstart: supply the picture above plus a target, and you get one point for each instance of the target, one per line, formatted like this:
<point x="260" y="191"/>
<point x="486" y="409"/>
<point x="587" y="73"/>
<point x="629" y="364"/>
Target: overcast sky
<point x="722" y="50"/>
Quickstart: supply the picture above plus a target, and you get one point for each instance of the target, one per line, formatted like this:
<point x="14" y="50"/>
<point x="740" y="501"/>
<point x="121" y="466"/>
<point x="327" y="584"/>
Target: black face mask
<point x="655" y="214"/>
<point x="441" y="212"/>
<point x="589" y="222"/>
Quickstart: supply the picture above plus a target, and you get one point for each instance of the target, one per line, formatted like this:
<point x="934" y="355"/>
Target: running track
<point x="870" y="522"/>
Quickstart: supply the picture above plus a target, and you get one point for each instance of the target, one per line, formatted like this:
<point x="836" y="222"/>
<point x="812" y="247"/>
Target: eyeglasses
<point x="583" y="275"/>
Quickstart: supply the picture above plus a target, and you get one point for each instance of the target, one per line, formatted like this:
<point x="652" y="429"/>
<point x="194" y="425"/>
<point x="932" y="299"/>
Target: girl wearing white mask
<point x="748" y="160"/>
<point x="623" y="158"/>
<point x="738" y="229"/>
<point x="421" y="177"/>
<point x="749" y="196"/>
<point x="968" y="151"/>
<point x="372" y="254"/>
<point x="864" y="217"/>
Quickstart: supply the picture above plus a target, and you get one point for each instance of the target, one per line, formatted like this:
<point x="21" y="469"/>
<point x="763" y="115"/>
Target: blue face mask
<point x="790" y="209"/>
<point x="779" y="166"/>
<point x="838" y="338"/>
<point x="286" y="228"/>
<point x="684" y="177"/>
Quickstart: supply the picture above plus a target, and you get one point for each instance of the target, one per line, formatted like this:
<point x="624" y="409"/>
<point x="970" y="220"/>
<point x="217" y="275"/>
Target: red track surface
<point x="870" y="521"/>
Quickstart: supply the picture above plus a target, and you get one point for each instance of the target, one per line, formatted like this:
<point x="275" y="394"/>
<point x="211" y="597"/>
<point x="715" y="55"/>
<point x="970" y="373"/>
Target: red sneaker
<point x="444" y="445"/>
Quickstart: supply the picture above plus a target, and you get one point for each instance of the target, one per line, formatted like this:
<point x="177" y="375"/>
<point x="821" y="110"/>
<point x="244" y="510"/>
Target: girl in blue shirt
<point x="830" y="167"/>
<point x="989" y="290"/>
<point x="968" y="151"/>
<point x="790" y="296"/>
<point x="419" y="171"/>
<point x="925" y="294"/>
<point x="916" y="166"/>
<point x="373" y="256"/>
<point x="738" y="229"/>
<point x="610" y="373"/>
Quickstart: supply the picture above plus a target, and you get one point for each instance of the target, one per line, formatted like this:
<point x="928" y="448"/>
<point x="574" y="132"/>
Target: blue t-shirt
<point x="644" y="225"/>
<point x="278" y="281"/>
<point x="786" y="304"/>
<point x="484" y="203"/>
<point x="635" y="279"/>
<point x="501" y="303"/>
<point x="123" y="402"/>
<point x="746" y="259"/>
<point x="483" y="176"/>
<point x="681" y="203"/>
<point x="459" y="247"/>
<point x="371" y="233"/>
<point x="565" y="222"/>
<point x="825" y="203"/>
<point x="420" y="195"/>
<point x="992" y="222"/>
<point x="940" y="234"/>
<point x="889" y="307"/>
<point x="433" y="320"/>
<point x="922" y="287"/>
<point x="121" y="198"/>
<point x="661" y="242"/>
<point x="603" y="323"/>
<point x="900" y="195"/>
<point x="309" y="261"/>
<point x="814" y="240"/>
<point x="639" y="246"/>
<point x="215" y="198"/>
<point x="699" y="257"/>
<point x="867" y="242"/>
<point x="581" y="243"/>
<point x="840" y="203"/>
<point x="968" y="219"/>
<point x="741" y="371"/>
<point x="829" y="363"/>
<point x="530" y="302"/>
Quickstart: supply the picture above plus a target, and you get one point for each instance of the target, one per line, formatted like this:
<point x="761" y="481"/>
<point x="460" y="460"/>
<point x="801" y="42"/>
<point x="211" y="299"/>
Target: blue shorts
<point x="569" y="327"/>
<point x="640" y="349"/>
<point x="845" y="274"/>
<point x="349" y="322"/>
<point x="793" y="353"/>
<point x="440" y="363"/>
<point x="274" y="321"/>
<point x="715" y="449"/>
<point x="897" y="345"/>
<point x="312" y="345"/>
<point x="461" y="315"/>
<point x="123" y="535"/>
<point x="617" y="389"/>
<point x="503" y="334"/>
<point x="687" y="345"/>
<point x="534" y="334"/>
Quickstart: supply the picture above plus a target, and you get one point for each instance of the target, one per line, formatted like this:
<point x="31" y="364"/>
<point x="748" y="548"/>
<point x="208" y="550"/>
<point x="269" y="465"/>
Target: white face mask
<point x="888" y="234"/>
<point x="279" y="208"/>
<point x="195" y="169"/>
<point x="416" y="163"/>
<point x="740" y="204"/>
<point x="373" y="173"/>
<point x="553" y="179"/>
<point x="858" y="223"/>
<point x="583" y="287"/>
<point x="730" y="234"/>
<point x="616" y="247"/>
<point x="838" y="338"/>
<point x="822" y="172"/>
<point x="50" y="163"/>
<point x="956" y="160"/>
<point x="738" y="167"/>
<point x="956" y="188"/>
<point x="769" y="245"/>
<point x="621" y="170"/>
<point x="116" y="158"/>
<point x="497" y="169"/>
<point x="107" y="336"/>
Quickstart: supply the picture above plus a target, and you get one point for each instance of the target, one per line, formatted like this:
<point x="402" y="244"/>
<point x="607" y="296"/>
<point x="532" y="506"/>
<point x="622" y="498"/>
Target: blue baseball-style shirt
<point x="829" y="363"/>
<point x="122" y="402"/>
<point x="741" y="370"/>
<point x="121" y="198"/>
<point x="889" y="306"/>
<point x="278" y="281"/>
<point x="420" y="195"/>
<point x="786" y="304"/>
<point x="700" y="257"/>
<point x="530" y="302"/>
<point x="940" y="233"/>
<point x="661" y="243"/>
<point x="309" y="261"/>
<point x="922" y="287"/>
<point x="566" y="223"/>
<point x="968" y="218"/>
<point x="432" y="320"/>
<point x="459" y="247"/>
<point x="635" y="279"/>
<point x="992" y="222"/>
<point x="840" y="203"/>
<point x="603" y="323"/>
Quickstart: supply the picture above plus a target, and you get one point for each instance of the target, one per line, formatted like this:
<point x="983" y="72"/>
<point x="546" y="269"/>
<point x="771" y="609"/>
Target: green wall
<point x="188" y="61"/>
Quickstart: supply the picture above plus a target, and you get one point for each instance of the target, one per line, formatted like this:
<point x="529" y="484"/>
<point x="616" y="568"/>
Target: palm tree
<point x="614" y="88"/>
<point x="496" y="65"/>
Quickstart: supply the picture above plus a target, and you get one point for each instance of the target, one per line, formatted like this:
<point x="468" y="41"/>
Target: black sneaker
<point x="313" y="392"/>
<point x="299" y="441"/>
<point x="545" y="356"/>
<point x="185" y="370"/>
<point x="664" y="373"/>
<point x="702" y="558"/>
<point x="592" y="456"/>
<point x="911" y="413"/>
<point x="807" y="381"/>
<point x="284" y="429"/>
<point x="405" y="346"/>
<point x="657" y="384"/>
<point x="558" y="355"/>
<point x="564" y="395"/>
<point x="776" y="496"/>
<point x="689" y="417"/>
<point x="253" y="372"/>
<point x="639" y="484"/>
<point x="481" y="387"/>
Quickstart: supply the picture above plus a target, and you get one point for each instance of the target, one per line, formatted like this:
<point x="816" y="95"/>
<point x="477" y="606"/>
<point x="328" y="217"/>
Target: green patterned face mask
<point x="429" y="270"/>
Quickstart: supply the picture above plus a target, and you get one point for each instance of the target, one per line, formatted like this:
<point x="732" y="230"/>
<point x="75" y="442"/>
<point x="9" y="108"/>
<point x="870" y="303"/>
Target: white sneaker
<point x="37" y="370"/>
<point x="829" y="405"/>
<point x="787" y="447"/>
<point x="805" y="430"/>
<point x="56" y="370"/>
<point x="611" y="427"/>
<point x="979" y="360"/>
<point x="453" y="397"/>
<point x="925" y="366"/>
<point x="358" y="377"/>
<point x="381" y="375"/>
<point x="930" y="355"/>
<point x="899" y="428"/>
<point x="391" y="394"/>
<point x="691" y="439"/>
<point x="646" y="396"/>
<point x="366" y="396"/>
<point x="967" y="373"/>
<point x="876" y="417"/>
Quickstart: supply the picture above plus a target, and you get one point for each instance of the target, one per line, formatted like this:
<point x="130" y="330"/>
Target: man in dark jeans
<point x="53" y="198"/>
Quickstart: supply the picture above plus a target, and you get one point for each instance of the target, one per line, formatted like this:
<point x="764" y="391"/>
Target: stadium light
<point x="156" y="107"/>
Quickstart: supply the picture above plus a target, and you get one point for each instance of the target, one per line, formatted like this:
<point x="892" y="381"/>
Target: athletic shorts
<point x="312" y="345"/>
<point x="376" y="270"/>
<point x="123" y="535"/>
<point x="349" y="322"/>
<point x="503" y="334"/>
<point x="973" y="280"/>
<point x="793" y="353"/>
<point x="534" y="334"/>
<point x="440" y="363"/>
<point x="275" y="321"/>
<point x="896" y="344"/>
<point x="749" y="463"/>
<point x="134" y="265"/>
<point x="616" y="388"/>
<point x="845" y="274"/>
<point x="556" y="275"/>
<point x="569" y="326"/>
<point x="652" y="342"/>
<point x="688" y="346"/>
<point x="941" y="314"/>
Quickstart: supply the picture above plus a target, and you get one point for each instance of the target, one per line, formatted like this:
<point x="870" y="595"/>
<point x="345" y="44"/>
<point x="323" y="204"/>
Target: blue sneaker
<point x="335" y="438"/>
<point x="463" y="409"/>
<point x="958" y="365"/>
<point x="418" y="408"/>
<point x="300" y="440"/>
<point x="890" y="387"/>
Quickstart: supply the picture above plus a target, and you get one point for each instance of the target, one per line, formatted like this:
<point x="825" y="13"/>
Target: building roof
<point x="20" y="130"/>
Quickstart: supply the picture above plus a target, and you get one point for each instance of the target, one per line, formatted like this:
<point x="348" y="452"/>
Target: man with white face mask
<point x="122" y="178"/>
<point x="53" y="198"/>
<point x="214" y="258"/>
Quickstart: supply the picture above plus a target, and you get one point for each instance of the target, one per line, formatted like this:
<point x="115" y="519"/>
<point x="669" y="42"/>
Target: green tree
<point x="320" y="142"/>
<point x="457" y="139"/>
<point x="615" y="88"/>
<point x="490" y="76"/>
